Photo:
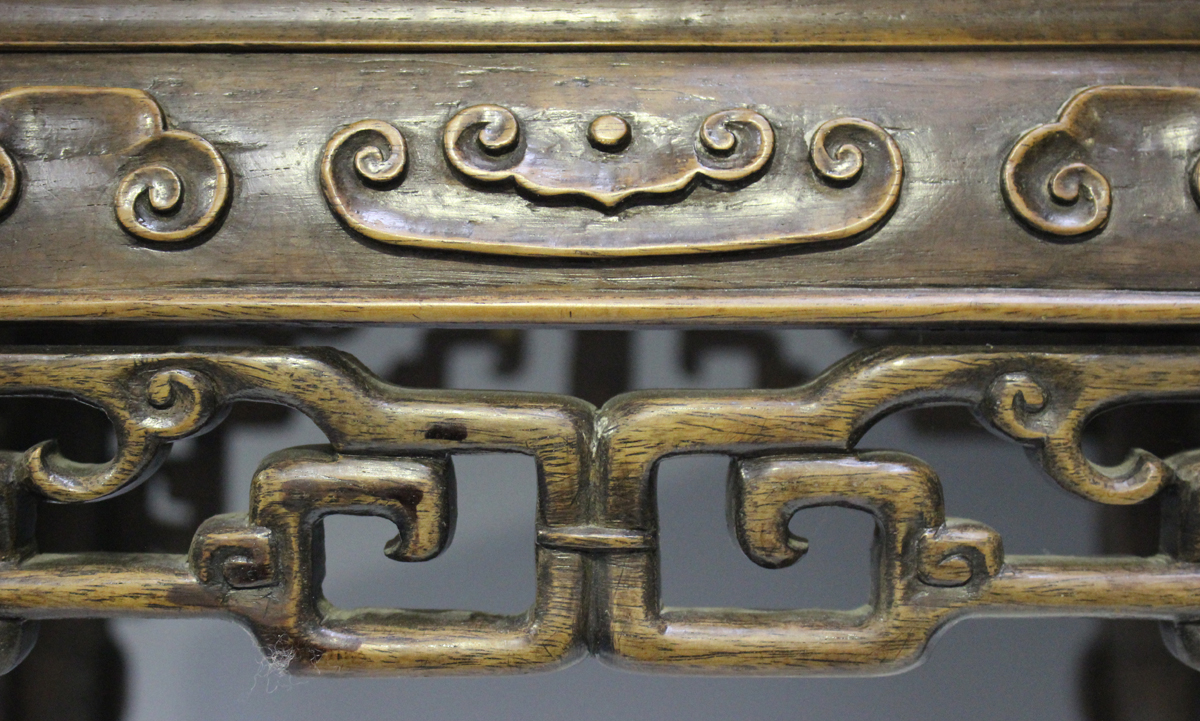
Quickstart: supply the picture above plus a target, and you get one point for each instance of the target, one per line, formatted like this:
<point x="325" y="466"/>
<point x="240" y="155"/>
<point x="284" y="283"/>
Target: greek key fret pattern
<point x="390" y="454"/>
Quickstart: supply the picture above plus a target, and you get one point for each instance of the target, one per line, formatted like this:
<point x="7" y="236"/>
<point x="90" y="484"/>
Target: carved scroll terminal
<point x="484" y="143"/>
<point x="9" y="181"/>
<point x="1053" y="179"/>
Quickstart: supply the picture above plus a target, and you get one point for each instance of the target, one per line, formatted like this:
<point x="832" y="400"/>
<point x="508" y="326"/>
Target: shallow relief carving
<point x="1131" y="148"/>
<point x="485" y="143"/>
<point x="63" y="144"/>
<point x="570" y="183"/>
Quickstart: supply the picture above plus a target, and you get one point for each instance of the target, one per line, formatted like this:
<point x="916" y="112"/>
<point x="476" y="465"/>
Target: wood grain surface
<point x="598" y="581"/>
<point x="572" y="24"/>
<point x="794" y="449"/>
<point x="951" y="250"/>
<point x="387" y="458"/>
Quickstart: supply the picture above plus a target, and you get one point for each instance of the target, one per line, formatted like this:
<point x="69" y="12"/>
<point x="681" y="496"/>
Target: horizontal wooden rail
<point x="63" y="25"/>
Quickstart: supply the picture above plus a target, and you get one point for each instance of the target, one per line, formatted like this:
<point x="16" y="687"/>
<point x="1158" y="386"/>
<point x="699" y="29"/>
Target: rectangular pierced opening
<point x="489" y="565"/>
<point x="702" y="565"/>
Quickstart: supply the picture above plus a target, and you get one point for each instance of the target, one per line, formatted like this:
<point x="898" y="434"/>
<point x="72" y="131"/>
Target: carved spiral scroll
<point x="375" y="150"/>
<point x="1049" y="178"/>
<point x="959" y="552"/>
<point x="605" y="162"/>
<point x="10" y="181"/>
<point x="228" y="550"/>
<point x="162" y="407"/>
<point x="1055" y="206"/>
<point x="1022" y="409"/>
<point x="845" y="162"/>
<point x="178" y="188"/>
<point x="486" y="143"/>
<point x="180" y="403"/>
<point x="738" y="143"/>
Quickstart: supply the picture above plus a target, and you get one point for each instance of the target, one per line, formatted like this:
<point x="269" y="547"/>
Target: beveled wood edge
<point x="268" y="45"/>
<point x="842" y="307"/>
<point x="432" y="25"/>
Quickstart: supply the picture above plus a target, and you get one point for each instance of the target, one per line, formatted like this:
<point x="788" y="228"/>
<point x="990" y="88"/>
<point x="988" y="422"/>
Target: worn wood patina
<point x="763" y="187"/>
<point x="597" y="529"/>
<point x="948" y="164"/>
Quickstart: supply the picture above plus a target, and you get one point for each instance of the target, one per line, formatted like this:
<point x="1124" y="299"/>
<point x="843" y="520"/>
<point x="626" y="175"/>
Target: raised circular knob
<point x="609" y="132"/>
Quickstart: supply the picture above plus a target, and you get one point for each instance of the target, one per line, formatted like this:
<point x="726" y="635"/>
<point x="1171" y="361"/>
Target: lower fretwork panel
<point x="598" y="585"/>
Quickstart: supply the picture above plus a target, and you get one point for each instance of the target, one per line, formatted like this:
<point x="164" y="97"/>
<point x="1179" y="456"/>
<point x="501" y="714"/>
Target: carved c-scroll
<point x="174" y="185"/>
<point x="380" y="152"/>
<point x="160" y="406"/>
<point x="1050" y="180"/>
<point x="850" y="184"/>
<point x="484" y="143"/>
<point x="1052" y="426"/>
<point x="9" y="181"/>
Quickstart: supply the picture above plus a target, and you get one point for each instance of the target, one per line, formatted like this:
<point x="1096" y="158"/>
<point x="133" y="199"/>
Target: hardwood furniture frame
<point x="952" y="165"/>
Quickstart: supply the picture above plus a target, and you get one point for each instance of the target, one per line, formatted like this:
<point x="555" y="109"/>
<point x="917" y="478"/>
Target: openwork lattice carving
<point x="390" y="455"/>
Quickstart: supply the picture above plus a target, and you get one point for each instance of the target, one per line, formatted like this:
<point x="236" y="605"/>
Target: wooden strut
<point x="598" y="585"/>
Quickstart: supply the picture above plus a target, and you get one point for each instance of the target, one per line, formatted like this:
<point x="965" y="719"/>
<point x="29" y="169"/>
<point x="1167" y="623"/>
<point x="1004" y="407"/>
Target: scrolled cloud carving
<point x="582" y="182"/>
<point x="1057" y="179"/>
<point x="170" y="185"/>
<point x="1050" y="421"/>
